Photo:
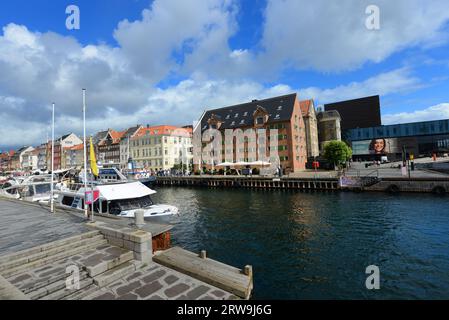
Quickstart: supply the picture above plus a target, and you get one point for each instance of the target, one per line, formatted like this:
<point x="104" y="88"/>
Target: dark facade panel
<point x="358" y="113"/>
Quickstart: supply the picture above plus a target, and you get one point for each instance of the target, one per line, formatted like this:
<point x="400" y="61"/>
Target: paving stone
<point x="105" y="296"/>
<point x="148" y="289"/>
<point x="20" y="278"/>
<point x="176" y="290"/>
<point x="183" y="297"/>
<point x="128" y="296"/>
<point x="154" y="276"/>
<point x="51" y="272"/>
<point x="43" y="269"/>
<point x="197" y="292"/>
<point x="134" y="275"/>
<point x="156" y="297"/>
<point x="127" y="288"/>
<point x="218" y="293"/>
<point x="93" y="260"/>
<point x="171" y="279"/>
<point x="207" y="298"/>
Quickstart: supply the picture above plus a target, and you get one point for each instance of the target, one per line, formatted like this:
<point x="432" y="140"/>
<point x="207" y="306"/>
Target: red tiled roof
<point x="164" y="129"/>
<point x="77" y="147"/>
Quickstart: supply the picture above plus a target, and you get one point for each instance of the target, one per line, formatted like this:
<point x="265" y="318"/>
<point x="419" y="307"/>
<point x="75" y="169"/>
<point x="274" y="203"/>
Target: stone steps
<point x="64" y="292"/>
<point x="116" y="273"/>
<point x="8" y="273"/>
<point x="48" y="246"/>
<point x="49" y="252"/>
<point x="55" y="287"/>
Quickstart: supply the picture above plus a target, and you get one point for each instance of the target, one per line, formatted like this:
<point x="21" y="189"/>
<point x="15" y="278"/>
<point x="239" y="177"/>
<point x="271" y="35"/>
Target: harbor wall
<point x="391" y="185"/>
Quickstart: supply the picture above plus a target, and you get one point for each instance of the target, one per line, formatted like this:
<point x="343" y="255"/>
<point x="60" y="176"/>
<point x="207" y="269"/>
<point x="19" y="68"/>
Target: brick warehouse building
<point x="282" y="113"/>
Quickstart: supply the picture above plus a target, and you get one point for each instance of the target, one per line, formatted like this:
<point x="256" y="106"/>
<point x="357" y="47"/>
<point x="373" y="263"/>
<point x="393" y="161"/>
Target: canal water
<point x="318" y="245"/>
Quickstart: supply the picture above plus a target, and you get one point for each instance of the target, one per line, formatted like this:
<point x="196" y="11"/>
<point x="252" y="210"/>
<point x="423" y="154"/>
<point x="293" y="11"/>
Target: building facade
<point x="125" y="148"/>
<point x="161" y="148"/>
<point x="329" y="128"/>
<point x="311" y="127"/>
<point x="272" y="129"/>
<point x="41" y="153"/>
<point x="419" y="138"/>
<point x="60" y="145"/>
<point x="108" y="153"/>
<point x="357" y="113"/>
<point x="75" y="156"/>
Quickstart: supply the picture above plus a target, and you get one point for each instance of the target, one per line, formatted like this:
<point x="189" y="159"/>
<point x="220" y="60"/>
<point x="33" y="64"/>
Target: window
<point x="233" y="123"/>
<point x="228" y="117"/>
<point x="259" y="120"/>
<point x="245" y="114"/>
<point x="236" y="115"/>
<point x="280" y="108"/>
<point x="242" y="122"/>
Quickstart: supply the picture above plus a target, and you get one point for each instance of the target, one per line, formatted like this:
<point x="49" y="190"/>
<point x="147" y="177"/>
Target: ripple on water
<point x="318" y="245"/>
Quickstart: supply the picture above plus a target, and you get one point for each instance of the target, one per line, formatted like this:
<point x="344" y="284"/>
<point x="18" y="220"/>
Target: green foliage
<point x="337" y="152"/>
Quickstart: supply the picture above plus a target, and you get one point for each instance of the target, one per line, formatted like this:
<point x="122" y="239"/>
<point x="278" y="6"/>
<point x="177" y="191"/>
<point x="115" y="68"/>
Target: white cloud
<point x="331" y="35"/>
<point x="395" y="81"/>
<point x="190" y="40"/>
<point x="437" y="112"/>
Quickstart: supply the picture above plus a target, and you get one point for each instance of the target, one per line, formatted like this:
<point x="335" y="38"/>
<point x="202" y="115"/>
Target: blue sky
<point x="166" y="61"/>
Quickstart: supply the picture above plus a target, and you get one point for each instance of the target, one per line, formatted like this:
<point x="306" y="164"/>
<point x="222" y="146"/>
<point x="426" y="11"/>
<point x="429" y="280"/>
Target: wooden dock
<point x="225" y="277"/>
<point x="319" y="184"/>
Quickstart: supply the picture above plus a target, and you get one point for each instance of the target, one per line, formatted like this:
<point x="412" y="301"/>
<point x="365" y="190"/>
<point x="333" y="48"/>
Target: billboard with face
<point x="383" y="146"/>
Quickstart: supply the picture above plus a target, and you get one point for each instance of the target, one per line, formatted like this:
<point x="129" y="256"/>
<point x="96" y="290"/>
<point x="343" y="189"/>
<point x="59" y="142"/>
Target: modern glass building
<point x="419" y="139"/>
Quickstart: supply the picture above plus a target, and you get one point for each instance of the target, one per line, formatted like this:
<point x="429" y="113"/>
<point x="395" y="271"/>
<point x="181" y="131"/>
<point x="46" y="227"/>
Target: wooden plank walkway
<point x="225" y="277"/>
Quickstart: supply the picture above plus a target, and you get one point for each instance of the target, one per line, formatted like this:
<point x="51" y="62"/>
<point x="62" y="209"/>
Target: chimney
<point x="148" y="126"/>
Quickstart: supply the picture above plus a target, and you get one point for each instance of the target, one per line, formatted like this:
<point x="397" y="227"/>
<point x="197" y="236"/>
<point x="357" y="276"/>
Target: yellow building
<point x="161" y="148"/>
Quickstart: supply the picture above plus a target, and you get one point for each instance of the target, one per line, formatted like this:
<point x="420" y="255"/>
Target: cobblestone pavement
<point x="22" y="229"/>
<point x="156" y="282"/>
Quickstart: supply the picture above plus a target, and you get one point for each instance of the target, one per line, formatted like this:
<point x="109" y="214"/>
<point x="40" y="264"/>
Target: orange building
<point x="280" y="118"/>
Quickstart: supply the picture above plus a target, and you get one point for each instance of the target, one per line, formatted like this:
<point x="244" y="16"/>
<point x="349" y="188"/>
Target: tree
<point x="337" y="152"/>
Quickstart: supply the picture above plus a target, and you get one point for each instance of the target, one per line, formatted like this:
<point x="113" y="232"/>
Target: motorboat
<point x="120" y="199"/>
<point x="31" y="188"/>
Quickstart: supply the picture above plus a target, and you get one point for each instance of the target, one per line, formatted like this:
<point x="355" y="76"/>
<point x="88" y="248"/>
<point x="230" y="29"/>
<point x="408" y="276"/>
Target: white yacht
<point x="118" y="199"/>
<point x="31" y="188"/>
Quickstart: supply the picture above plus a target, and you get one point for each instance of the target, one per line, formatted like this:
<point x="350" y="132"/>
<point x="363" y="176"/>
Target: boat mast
<point x="86" y="213"/>
<point x="52" y="208"/>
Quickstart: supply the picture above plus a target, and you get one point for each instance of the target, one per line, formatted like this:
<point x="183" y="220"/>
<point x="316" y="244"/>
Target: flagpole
<point x="92" y="183"/>
<point x="86" y="213"/>
<point x="52" y="208"/>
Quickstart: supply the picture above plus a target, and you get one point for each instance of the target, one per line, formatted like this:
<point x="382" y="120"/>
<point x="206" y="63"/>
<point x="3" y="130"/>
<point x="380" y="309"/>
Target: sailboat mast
<point x="52" y="208"/>
<point x="86" y="213"/>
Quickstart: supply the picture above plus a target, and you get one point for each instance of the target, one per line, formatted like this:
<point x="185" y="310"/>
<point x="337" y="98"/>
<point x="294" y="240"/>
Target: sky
<point x="166" y="61"/>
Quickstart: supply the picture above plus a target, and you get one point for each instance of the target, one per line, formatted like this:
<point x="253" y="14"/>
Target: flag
<point x="93" y="161"/>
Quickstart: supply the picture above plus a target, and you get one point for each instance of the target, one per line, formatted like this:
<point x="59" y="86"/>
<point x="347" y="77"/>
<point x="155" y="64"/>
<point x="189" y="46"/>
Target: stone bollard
<point x="203" y="254"/>
<point x="139" y="218"/>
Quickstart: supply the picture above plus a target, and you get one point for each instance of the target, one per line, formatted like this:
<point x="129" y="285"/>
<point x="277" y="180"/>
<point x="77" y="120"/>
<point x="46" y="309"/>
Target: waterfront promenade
<point x="115" y="260"/>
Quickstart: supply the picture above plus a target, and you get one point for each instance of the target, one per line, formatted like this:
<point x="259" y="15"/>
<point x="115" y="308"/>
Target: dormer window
<point x="233" y="123"/>
<point x="280" y="108"/>
<point x="259" y="120"/>
<point x="228" y="117"/>
<point x="245" y="114"/>
<point x="278" y="116"/>
<point x="242" y="122"/>
<point x="236" y="115"/>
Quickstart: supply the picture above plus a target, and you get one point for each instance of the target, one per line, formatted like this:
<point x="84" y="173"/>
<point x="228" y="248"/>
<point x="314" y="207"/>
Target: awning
<point x="123" y="191"/>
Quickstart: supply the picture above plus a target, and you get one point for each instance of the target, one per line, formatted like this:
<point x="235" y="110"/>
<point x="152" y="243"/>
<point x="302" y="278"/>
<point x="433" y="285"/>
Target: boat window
<point x="43" y="188"/>
<point x="116" y="207"/>
<point x="67" y="201"/>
